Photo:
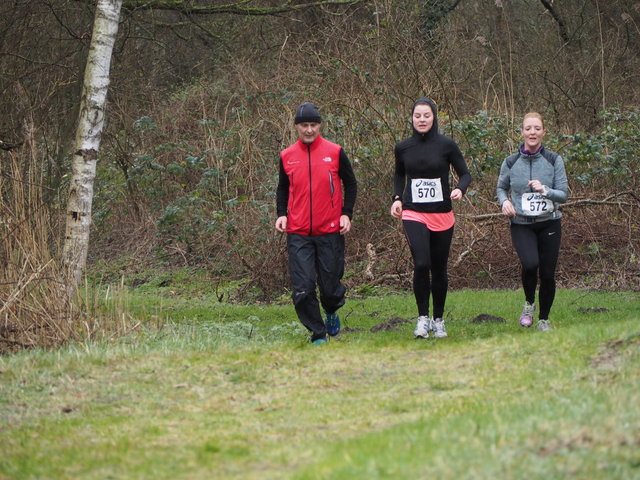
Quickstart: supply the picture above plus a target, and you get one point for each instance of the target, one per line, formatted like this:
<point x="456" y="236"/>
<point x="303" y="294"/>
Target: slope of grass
<point x="236" y="392"/>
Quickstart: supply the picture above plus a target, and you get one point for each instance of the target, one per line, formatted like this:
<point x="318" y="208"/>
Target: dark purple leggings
<point x="430" y="252"/>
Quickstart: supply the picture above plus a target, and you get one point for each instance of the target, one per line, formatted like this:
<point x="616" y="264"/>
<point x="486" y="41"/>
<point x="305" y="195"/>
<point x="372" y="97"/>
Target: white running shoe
<point x="543" y="326"/>
<point x="438" y="328"/>
<point x="422" y="327"/>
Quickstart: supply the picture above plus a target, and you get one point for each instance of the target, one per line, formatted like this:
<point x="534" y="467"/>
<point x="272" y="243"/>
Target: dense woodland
<point x="201" y="100"/>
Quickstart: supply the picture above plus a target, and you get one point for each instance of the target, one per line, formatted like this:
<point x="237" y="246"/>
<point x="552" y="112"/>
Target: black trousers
<point x="430" y="252"/>
<point x="316" y="260"/>
<point x="538" y="247"/>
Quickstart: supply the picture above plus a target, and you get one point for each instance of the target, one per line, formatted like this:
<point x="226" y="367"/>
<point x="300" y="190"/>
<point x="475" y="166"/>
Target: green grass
<point x="236" y="392"/>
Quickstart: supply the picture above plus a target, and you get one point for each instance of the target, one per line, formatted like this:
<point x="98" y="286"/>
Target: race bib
<point x="426" y="190"/>
<point x="535" y="204"/>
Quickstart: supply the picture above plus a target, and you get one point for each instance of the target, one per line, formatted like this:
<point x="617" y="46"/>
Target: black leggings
<point x="538" y="246"/>
<point x="430" y="251"/>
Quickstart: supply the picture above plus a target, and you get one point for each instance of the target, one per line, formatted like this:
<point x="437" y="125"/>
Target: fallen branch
<point x="575" y="203"/>
<point x="465" y="253"/>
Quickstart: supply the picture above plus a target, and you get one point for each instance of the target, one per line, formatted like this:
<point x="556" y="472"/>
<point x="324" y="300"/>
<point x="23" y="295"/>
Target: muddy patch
<point x="486" y="318"/>
<point x="592" y="310"/>
<point x="393" y="324"/>
<point x="351" y="330"/>
<point x="608" y="357"/>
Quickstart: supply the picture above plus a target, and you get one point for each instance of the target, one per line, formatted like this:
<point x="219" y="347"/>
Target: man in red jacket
<point x="315" y="213"/>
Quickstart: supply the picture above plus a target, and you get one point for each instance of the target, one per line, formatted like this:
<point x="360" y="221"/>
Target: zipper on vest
<point x="331" y="188"/>
<point x="310" y="193"/>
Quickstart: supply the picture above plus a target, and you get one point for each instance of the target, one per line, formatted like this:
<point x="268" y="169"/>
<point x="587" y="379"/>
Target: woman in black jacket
<point x="422" y="198"/>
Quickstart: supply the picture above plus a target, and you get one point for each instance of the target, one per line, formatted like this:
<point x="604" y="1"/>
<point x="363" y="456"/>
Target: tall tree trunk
<point x="87" y="141"/>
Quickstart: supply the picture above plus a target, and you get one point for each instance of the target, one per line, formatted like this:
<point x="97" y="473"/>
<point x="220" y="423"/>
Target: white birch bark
<point x="87" y="140"/>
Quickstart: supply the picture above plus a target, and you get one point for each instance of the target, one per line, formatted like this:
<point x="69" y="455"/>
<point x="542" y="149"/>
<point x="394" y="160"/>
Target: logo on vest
<point x="327" y="159"/>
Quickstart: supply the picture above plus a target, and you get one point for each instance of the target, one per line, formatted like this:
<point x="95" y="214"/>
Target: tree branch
<point x="243" y="7"/>
<point x="561" y="25"/>
<point x="608" y="200"/>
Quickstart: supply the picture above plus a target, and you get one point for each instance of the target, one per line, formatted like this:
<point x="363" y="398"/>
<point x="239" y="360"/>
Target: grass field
<point x="236" y="392"/>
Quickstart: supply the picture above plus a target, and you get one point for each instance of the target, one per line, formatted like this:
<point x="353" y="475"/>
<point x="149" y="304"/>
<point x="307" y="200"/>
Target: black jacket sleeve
<point x="349" y="183"/>
<point x="282" y="192"/>
<point x="399" y="175"/>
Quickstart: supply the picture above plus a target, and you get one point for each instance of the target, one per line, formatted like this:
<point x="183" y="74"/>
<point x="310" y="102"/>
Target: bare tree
<point x="562" y="26"/>
<point x="87" y="141"/>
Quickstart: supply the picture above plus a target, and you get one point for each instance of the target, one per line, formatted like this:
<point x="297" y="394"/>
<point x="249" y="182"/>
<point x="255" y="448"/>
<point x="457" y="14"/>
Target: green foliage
<point x="186" y="218"/>
<point x="608" y="156"/>
<point x="486" y="139"/>
<point x="145" y="124"/>
<point x="432" y="14"/>
<point x="605" y="157"/>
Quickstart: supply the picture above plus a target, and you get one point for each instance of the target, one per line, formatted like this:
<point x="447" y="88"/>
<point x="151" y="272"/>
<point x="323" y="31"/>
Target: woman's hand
<point x="536" y="185"/>
<point x="456" y="194"/>
<point x="507" y="208"/>
<point x="396" y="209"/>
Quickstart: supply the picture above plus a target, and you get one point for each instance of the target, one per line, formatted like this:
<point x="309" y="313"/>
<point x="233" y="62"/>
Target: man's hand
<point x="345" y="224"/>
<point x="281" y="224"/>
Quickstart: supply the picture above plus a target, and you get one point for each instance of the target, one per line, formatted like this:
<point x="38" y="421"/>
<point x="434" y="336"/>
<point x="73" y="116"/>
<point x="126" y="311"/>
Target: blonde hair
<point x="534" y="115"/>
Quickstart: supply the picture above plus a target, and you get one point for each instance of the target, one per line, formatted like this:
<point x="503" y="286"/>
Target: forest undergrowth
<point x="197" y="113"/>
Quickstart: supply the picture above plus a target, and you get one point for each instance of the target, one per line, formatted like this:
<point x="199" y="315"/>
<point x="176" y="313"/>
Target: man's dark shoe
<point x="333" y="323"/>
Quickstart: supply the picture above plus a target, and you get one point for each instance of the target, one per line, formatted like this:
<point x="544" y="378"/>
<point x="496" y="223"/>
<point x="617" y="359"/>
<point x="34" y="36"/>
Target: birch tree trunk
<point x="87" y="140"/>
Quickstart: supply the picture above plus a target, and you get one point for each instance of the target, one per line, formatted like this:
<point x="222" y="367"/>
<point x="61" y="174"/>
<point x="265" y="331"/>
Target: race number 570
<point x="426" y="190"/>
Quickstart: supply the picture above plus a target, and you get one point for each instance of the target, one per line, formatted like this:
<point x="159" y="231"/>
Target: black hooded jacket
<point x="428" y="156"/>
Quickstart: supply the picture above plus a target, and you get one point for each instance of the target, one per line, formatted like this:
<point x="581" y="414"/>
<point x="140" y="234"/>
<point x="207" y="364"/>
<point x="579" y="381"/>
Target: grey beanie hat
<point x="307" y="112"/>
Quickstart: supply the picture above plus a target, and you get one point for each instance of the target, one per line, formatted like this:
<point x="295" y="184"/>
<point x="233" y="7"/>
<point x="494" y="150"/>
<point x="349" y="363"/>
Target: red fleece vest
<point x="315" y="190"/>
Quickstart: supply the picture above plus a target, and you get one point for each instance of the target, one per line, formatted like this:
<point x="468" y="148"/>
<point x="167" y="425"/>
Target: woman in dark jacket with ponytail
<point x="422" y="198"/>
